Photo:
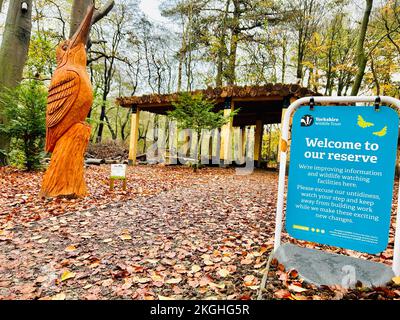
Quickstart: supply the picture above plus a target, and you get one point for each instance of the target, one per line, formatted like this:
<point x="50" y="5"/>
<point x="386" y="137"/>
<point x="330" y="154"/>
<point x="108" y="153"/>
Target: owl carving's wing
<point x="63" y="92"/>
<point x="62" y="95"/>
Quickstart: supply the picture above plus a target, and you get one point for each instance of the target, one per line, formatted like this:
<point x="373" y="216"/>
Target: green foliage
<point x="16" y="156"/>
<point x="196" y="113"/>
<point x="25" y="110"/>
<point x="42" y="56"/>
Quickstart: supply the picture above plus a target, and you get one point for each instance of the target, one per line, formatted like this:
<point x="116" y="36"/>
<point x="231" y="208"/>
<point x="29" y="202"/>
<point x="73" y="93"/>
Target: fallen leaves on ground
<point x="174" y="234"/>
<point x="67" y="275"/>
<point x="19" y="199"/>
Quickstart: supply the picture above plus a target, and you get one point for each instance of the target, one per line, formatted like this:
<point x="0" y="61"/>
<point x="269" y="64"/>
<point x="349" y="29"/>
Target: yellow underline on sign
<point x="295" y="226"/>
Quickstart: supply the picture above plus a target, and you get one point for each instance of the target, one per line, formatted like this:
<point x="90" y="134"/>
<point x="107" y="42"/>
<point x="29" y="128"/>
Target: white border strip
<point x="282" y="169"/>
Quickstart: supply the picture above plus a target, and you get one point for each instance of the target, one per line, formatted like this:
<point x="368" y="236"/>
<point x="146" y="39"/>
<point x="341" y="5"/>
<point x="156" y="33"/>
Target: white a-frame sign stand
<point x="340" y="188"/>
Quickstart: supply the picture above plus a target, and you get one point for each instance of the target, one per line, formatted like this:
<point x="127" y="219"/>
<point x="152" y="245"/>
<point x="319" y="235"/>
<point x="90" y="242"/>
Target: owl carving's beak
<point x="82" y="34"/>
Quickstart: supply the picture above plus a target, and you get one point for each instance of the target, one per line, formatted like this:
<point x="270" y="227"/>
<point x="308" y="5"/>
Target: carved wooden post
<point x="258" y="142"/>
<point x="69" y="101"/>
<point x="134" y="138"/>
<point x="226" y="134"/>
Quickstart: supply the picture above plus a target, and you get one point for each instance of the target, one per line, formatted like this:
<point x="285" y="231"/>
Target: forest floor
<point x="173" y="234"/>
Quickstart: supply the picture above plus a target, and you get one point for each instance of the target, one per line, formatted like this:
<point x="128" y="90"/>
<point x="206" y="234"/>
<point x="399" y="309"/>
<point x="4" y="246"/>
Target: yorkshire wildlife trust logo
<point x="307" y="120"/>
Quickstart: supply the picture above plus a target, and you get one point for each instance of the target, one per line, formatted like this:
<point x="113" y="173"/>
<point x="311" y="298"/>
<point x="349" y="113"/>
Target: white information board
<point x="118" y="171"/>
<point x="284" y="149"/>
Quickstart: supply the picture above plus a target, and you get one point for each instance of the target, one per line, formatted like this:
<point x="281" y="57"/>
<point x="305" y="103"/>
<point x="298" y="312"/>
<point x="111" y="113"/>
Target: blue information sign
<point x="341" y="176"/>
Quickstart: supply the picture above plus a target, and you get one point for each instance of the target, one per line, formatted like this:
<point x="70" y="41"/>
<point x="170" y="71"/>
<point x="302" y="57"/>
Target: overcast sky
<point x="150" y="8"/>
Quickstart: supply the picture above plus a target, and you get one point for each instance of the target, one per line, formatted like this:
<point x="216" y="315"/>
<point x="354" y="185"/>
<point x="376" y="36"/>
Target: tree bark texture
<point x="79" y="8"/>
<point x="15" y="44"/>
<point x="14" y="51"/>
<point x="231" y="70"/>
<point x="361" y="56"/>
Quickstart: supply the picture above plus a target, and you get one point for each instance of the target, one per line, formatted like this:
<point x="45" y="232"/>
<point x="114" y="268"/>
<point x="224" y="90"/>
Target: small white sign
<point x="118" y="171"/>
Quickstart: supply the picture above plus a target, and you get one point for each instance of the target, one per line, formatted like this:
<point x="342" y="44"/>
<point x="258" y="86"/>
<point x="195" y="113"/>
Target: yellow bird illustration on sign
<point x="381" y="133"/>
<point x="364" y="124"/>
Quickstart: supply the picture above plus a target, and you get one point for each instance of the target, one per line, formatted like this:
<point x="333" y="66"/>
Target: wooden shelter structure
<point x="258" y="105"/>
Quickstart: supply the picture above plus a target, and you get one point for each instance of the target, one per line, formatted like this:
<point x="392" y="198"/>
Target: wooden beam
<point x="168" y="105"/>
<point x="258" y="140"/>
<point x="258" y="99"/>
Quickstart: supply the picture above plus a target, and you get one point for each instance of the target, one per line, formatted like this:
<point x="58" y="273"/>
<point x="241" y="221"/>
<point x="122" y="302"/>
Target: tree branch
<point x="102" y="12"/>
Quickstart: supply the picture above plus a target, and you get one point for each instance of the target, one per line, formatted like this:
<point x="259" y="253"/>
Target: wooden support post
<point x="258" y="142"/>
<point x="173" y="143"/>
<point x="211" y="146"/>
<point x="162" y="139"/>
<point x="270" y="126"/>
<point x="112" y="184"/>
<point x="205" y="147"/>
<point x="133" y="142"/>
<point x="243" y="141"/>
<point x="226" y="133"/>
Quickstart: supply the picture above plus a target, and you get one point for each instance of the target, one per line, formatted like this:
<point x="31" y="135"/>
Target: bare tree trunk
<point x="143" y="130"/>
<point x="79" y="8"/>
<point x="101" y="124"/>
<point x="329" y="75"/>
<point x="14" y="51"/>
<point x="231" y="74"/>
<point x="360" y="55"/>
<point x="123" y="126"/>
<point x="222" y="47"/>
<point x="182" y="54"/>
<point x="376" y="80"/>
<point x="300" y="55"/>
<point x="15" y="45"/>
<point x="114" y="133"/>
<point x="306" y="21"/>
<point x="181" y="57"/>
<point x="189" y="38"/>
<point x="284" y="48"/>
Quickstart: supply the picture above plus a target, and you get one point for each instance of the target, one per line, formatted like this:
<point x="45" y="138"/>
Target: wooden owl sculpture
<point x="69" y="101"/>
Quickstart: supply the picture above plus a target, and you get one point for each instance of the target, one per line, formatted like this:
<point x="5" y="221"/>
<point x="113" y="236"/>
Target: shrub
<point x="24" y="109"/>
<point x="196" y="112"/>
<point x="16" y="156"/>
